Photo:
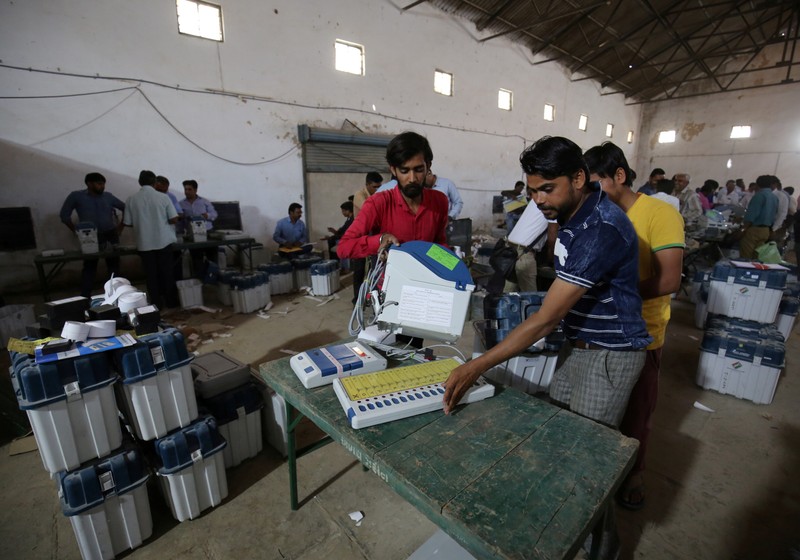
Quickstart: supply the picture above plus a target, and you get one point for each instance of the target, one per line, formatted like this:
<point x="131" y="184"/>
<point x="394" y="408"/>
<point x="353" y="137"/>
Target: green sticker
<point x="444" y="258"/>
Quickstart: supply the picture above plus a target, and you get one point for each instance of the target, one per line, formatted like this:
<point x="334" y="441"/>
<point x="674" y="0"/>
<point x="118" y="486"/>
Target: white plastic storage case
<point x="302" y="270"/>
<point x="238" y="415"/>
<point x="71" y="407"/>
<point x="736" y="290"/>
<point x="325" y="277"/>
<point x="741" y="358"/>
<point x="106" y="502"/>
<point x="787" y="314"/>
<point x="191" y="468"/>
<point x="281" y="277"/>
<point x="157" y="391"/>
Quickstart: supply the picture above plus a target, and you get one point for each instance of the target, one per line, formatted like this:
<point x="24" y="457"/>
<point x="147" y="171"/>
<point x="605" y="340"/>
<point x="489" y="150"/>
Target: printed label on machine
<point x="424" y="305"/>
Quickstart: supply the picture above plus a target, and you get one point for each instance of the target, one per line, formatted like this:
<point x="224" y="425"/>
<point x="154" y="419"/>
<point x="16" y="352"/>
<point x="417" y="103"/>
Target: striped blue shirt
<point x="598" y="250"/>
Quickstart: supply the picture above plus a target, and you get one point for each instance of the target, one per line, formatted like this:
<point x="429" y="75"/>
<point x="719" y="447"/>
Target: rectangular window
<point x="200" y="19"/>
<point x="349" y="57"/>
<point x="505" y="99"/>
<point x="443" y="83"/>
<point x="549" y="112"/>
<point x="740" y="131"/>
<point x="630" y="137"/>
<point x="666" y="137"/>
<point x="583" y="122"/>
<point x="609" y="130"/>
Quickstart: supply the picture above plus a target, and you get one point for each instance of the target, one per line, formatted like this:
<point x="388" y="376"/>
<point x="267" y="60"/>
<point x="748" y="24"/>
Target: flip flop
<point x="632" y="498"/>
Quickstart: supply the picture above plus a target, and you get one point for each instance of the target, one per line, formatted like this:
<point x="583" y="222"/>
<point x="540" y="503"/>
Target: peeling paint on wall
<point x="691" y="129"/>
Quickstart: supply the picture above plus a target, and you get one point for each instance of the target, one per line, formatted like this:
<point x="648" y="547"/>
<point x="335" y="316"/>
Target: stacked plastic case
<point x="250" y="292"/>
<point x="191" y="468"/>
<point x="531" y="371"/>
<point x="788" y="309"/>
<point x="157" y="391"/>
<point x="190" y="292"/>
<point x="281" y="277"/>
<point x="746" y="291"/>
<point x="226" y="389"/>
<point x="742" y="352"/>
<point x="106" y="502"/>
<point x="741" y="358"/>
<point x="302" y="270"/>
<point x="224" y="285"/>
<point x="325" y="277"/>
<point x="71" y="407"/>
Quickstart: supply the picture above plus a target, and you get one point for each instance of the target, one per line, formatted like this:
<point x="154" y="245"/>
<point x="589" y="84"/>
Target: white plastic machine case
<point x="746" y="290"/>
<point x="157" y="391"/>
<point x="238" y="416"/>
<point x="191" y="468"/>
<point x="427" y="291"/>
<point x="71" y="407"/>
<point x="107" y="504"/>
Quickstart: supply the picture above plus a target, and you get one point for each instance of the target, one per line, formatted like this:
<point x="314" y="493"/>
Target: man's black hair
<point x="405" y="146"/>
<point x="94" y="177"/>
<point x="709" y="186"/>
<point x="657" y="171"/>
<point x="374" y="177"/>
<point x="605" y="159"/>
<point x="147" y="177"/>
<point x="347" y="205"/>
<point x="191" y="182"/>
<point x="553" y="156"/>
<point x="163" y="180"/>
<point x="764" y="181"/>
<point x="294" y="206"/>
<point x="666" y="186"/>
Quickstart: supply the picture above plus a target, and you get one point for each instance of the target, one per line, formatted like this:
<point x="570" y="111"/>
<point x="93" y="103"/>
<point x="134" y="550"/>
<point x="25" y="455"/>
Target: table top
<point x="507" y="477"/>
<point x="122" y="250"/>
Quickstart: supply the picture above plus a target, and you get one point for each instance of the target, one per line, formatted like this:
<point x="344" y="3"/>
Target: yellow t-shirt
<point x="659" y="226"/>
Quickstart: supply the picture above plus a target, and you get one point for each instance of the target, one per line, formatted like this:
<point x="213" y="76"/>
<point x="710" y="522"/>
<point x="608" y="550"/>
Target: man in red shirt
<point x="410" y="212"/>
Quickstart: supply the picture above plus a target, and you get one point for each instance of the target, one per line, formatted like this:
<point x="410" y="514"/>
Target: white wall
<point x="278" y="57"/>
<point x="703" y="144"/>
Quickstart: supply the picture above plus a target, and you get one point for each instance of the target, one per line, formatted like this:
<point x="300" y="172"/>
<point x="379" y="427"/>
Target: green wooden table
<point x="508" y="477"/>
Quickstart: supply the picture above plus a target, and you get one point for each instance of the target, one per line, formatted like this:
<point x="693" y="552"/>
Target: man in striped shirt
<point x="595" y="296"/>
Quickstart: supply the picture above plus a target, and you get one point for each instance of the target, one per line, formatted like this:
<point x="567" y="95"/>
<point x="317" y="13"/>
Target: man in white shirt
<point x="730" y="195"/>
<point x="151" y="214"/>
<point x="665" y="188"/>
<point x="691" y="209"/>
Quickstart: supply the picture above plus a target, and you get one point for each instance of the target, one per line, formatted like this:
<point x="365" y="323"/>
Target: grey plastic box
<point x="217" y="372"/>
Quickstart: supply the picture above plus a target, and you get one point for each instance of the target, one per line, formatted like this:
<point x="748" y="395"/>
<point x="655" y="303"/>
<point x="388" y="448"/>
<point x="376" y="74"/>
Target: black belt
<point x="583" y="345"/>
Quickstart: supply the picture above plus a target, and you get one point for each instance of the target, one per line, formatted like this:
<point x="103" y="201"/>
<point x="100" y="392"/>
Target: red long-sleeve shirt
<point x="388" y="212"/>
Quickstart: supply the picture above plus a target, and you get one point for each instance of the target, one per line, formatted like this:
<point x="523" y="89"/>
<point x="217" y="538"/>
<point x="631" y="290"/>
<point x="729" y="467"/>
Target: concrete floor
<point x="721" y="485"/>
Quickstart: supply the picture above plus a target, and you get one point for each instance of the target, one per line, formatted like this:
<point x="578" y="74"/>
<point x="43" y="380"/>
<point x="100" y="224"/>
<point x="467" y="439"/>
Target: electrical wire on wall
<point x="243" y="97"/>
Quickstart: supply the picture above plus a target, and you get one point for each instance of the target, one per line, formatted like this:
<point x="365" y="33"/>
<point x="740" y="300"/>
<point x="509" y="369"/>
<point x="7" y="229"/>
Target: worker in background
<point x="691" y="208"/>
<point x="595" y="297"/>
<point x="448" y="188"/>
<point x="649" y="188"/>
<point x="359" y="266"/>
<point x="193" y="207"/>
<point x="291" y="234"/>
<point x="96" y="206"/>
<point x="152" y="215"/>
<point x="162" y="186"/>
<point x="706" y="194"/>
<point x="730" y="195"/>
<point x="665" y="188"/>
<point x="336" y="234"/>
<point x="758" y="218"/>
<point x="659" y="228"/>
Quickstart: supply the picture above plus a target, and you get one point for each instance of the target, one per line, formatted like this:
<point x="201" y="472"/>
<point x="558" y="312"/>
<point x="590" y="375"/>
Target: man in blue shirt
<point x="96" y="206"/>
<point x="290" y="232"/>
<point x="193" y="207"/>
<point x="758" y="218"/>
<point x="595" y="297"/>
<point x="162" y="186"/>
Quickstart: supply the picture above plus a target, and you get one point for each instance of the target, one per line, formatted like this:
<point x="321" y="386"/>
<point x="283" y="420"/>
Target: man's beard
<point x="411" y="190"/>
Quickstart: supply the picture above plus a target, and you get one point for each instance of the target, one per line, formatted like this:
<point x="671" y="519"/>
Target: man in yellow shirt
<point x="659" y="228"/>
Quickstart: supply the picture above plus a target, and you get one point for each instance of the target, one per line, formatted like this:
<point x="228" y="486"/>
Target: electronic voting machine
<point x="383" y="396"/>
<point x="320" y="367"/>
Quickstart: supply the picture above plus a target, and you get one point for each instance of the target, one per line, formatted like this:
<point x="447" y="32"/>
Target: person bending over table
<point x="595" y="297"/>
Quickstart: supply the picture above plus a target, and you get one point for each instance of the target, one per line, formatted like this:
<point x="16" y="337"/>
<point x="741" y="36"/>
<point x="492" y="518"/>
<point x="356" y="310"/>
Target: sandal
<point x="631" y="498"/>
